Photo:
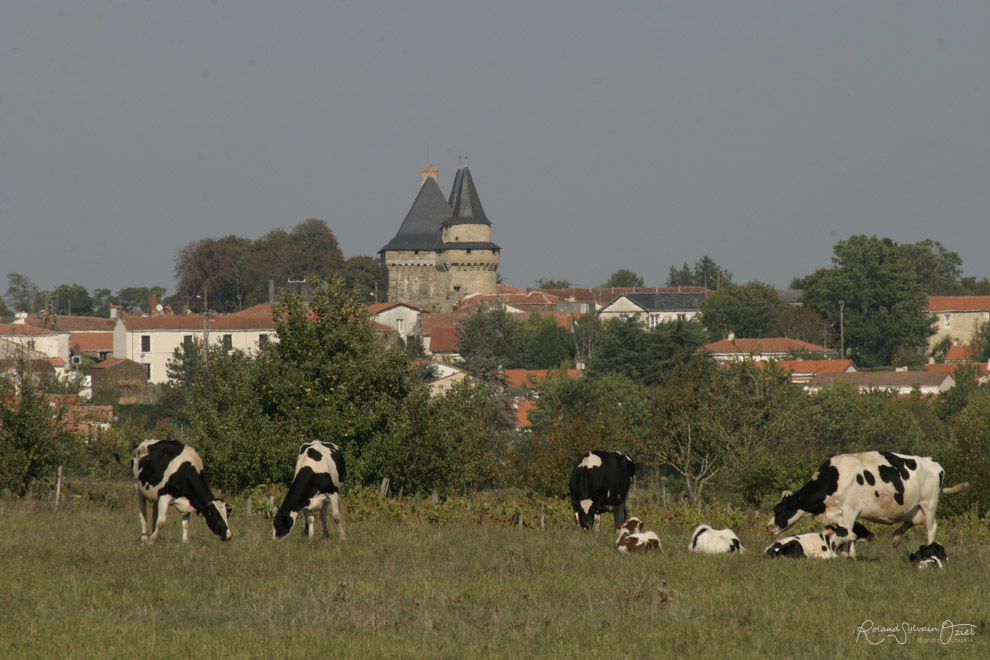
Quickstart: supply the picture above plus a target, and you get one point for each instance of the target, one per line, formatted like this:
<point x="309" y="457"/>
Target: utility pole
<point x="842" y="330"/>
<point x="206" y="331"/>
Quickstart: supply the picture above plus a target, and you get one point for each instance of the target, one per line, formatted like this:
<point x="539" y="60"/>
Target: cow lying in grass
<point x="319" y="473"/>
<point x="929" y="556"/>
<point x="818" y="545"/>
<point x="708" y="541"/>
<point x="166" y="473"/>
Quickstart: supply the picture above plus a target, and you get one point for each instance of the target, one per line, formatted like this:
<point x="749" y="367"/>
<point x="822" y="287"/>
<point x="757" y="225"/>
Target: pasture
<point x="78" y="584"/>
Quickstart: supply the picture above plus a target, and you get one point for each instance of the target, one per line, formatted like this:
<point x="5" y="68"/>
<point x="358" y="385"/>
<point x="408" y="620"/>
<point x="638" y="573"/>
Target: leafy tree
<point x="33" y="431"/>
<point x="748" y="310"/>
<point x="981" y="342"/>
<point x="309" y="251"/>
<point x="491" y="338"/>
<point x="72" y="299"/>
<point x="22" y="294"/>
<point x="447" y="443"/>
<point x="549" y="345"/>
<point x="799" y="323"/>
<point x="364" y="276"/>
<point x="216" y="268"/>
<point x="705" y="273"/>
<point x="138" y="297"/>
<point x="623" y="278"/>
<point x="625" y="347"/>
<point x="955" y="399"/>
<point x="939" y="270"/>
<point x="882" y="298"/>
<point x="102" y="299"/>
<point x="613" y="407"/>
<point x="968" y="459"/>
<point x="5" y="311"/>
<point x="544" y="283"/>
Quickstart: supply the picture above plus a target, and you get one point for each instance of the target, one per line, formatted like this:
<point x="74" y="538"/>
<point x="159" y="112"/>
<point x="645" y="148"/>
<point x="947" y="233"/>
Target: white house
<point x="654" y="308"/>
<point x="900" y="382"/>
<point x="403" y="317"/>
<point x="152" y="340"/>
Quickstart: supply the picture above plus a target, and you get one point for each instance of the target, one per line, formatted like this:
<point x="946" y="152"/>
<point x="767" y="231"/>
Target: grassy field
<point x="78" y="584"/>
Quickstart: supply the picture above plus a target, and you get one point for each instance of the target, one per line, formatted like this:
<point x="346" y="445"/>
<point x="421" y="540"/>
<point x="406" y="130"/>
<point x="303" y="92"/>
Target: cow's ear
<point x="785" y="493"/>
<point x="199" y="513"/>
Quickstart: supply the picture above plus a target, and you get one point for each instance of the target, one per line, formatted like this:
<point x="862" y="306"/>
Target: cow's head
<point x="586" y="513"/>
<point x="216" y="519"/>
<point x="282" y="524"/>
<point x="787" y="512"/>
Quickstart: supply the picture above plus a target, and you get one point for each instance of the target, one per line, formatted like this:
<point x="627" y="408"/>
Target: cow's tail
<point x="958" y="488"/>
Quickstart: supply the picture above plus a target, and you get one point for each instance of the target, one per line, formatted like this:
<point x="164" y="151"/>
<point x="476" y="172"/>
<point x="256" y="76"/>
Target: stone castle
<point x="443" y="250"/>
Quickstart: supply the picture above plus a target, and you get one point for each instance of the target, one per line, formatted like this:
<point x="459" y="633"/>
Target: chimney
<point x="114" y="309"/>
<point x="152" y="304"/>
<point x="428" y="173"/>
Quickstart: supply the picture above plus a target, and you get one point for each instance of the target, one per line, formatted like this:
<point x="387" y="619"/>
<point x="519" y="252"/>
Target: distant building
<point x="443" y="250"/>
<point x="957" y="318"/>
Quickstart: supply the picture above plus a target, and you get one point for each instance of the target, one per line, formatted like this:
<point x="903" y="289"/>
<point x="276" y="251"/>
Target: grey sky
<point x="601" y="135"/>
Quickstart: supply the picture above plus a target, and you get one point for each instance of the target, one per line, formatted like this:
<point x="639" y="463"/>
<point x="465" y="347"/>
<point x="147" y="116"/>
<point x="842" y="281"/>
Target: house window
<point x="262" y="340"/>
<point x="400" y="325"/>
<point x="948" y="320"/>
<point x="145" y="343"/>
<point x="682" y="317"/>
<point x="228" y="342"/>
<point x="187" y="342"/>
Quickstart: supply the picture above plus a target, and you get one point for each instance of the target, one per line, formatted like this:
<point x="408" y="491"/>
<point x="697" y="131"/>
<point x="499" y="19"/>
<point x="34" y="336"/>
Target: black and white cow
<point x="708" y="541"/>
<point x="168" y="472"/>
<point x="817" y="545"/>
<point x="600" y="482"/>
<point x="929" y="556"/>
<point x="882" y="487"/>
<point x="316" y="485"/>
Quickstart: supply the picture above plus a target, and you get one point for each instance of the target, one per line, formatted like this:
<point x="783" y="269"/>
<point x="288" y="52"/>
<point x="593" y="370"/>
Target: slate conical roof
<point x="464" y="201"/>
<point x="421" y="228"/>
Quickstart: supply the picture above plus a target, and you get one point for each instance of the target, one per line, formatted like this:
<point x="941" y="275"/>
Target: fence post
<point x="383" y="491"/>
<point x="58" y="488"/>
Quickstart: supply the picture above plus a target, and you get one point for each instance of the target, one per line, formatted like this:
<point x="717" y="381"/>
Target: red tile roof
<point x="960" y="353"/>
<point x="378" y="308"/>
<point x="91" y="341"/>
<point x="951" y="368"/>
<point x="432" y="320"/>
<point x="443" y="340"/>
<point x="958" y="303"/>
<point x="765" y="345"/>
<point x="601" y="296"/>
<point x="814" y="366"/>
<point x="531" y="378"/>
<point x="522" y="411"/>
<point x="22" y="329"/>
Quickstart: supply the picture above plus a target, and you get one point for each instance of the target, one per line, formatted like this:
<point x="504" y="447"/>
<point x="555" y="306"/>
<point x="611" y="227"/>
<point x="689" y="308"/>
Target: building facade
<point x="443" y="250"/>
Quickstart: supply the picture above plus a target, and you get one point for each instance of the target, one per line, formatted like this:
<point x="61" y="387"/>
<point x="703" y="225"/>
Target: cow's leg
<point x="598" y="521"/>
<point x="185" y="528"/>
<point x="338" y="521"/>
<point x="310" y="523"/>
<point x="143" y="514"/>
<point x="931" y="525"/>
<point x="161" y="511"/>
<point x="323" y="518"/>
<point x="899" y="533"/>
<point x="862" y="533"/>
<point x="619" y="514"/>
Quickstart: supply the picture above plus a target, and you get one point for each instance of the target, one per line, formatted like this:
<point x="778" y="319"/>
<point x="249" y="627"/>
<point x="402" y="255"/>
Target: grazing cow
<point x="168" y="472"/>
<point x="630" y="537"/>
<point x="817" y="545"/>
<point x="929" y="556"/>
<point x="316" y="485"/>
<point x="882" y="487"/>
<point x="600" y="482"/>
<point x="708" y="541"/>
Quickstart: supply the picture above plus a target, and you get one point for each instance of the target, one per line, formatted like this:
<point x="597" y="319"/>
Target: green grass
<point x="78" y="584"/>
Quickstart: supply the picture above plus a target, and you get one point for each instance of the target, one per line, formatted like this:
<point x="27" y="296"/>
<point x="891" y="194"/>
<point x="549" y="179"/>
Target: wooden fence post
<point x="58" y="488"/>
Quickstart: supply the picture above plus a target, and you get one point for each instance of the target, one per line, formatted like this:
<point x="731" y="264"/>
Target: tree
<point x="706" y="273"/>
<point x="309" y="251"/>
<point x="625" y="347"/>
<point x="491" y="338"/>
<point x="72" y="299"/>
<point x="216" y="269"/>
<point x="548" y="345"/>
<point x="882" y="299"/>
<point x="102" y="299"/>
<point x="364" y="276"/>
<point x="138" y="297"/>
<point x="22" y="294"/>
<point x="623" y="278"/>
<point x="5" y="312"/>
<point x="799" y="323"/>
<point x="33" y="431"/>
<point x="544" y="283"/>
<point x="748" y="310"/>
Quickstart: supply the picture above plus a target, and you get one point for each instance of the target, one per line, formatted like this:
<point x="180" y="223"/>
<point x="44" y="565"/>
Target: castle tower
<point x="443" y="249"/>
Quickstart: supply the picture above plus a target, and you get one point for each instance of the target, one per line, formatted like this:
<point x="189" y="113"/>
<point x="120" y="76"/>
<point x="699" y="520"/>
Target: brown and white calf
<point x="319" y="473"/>
<point x="708" y="541"/>
<point x="629" y="537"/>
<point x="169" y="473"/>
